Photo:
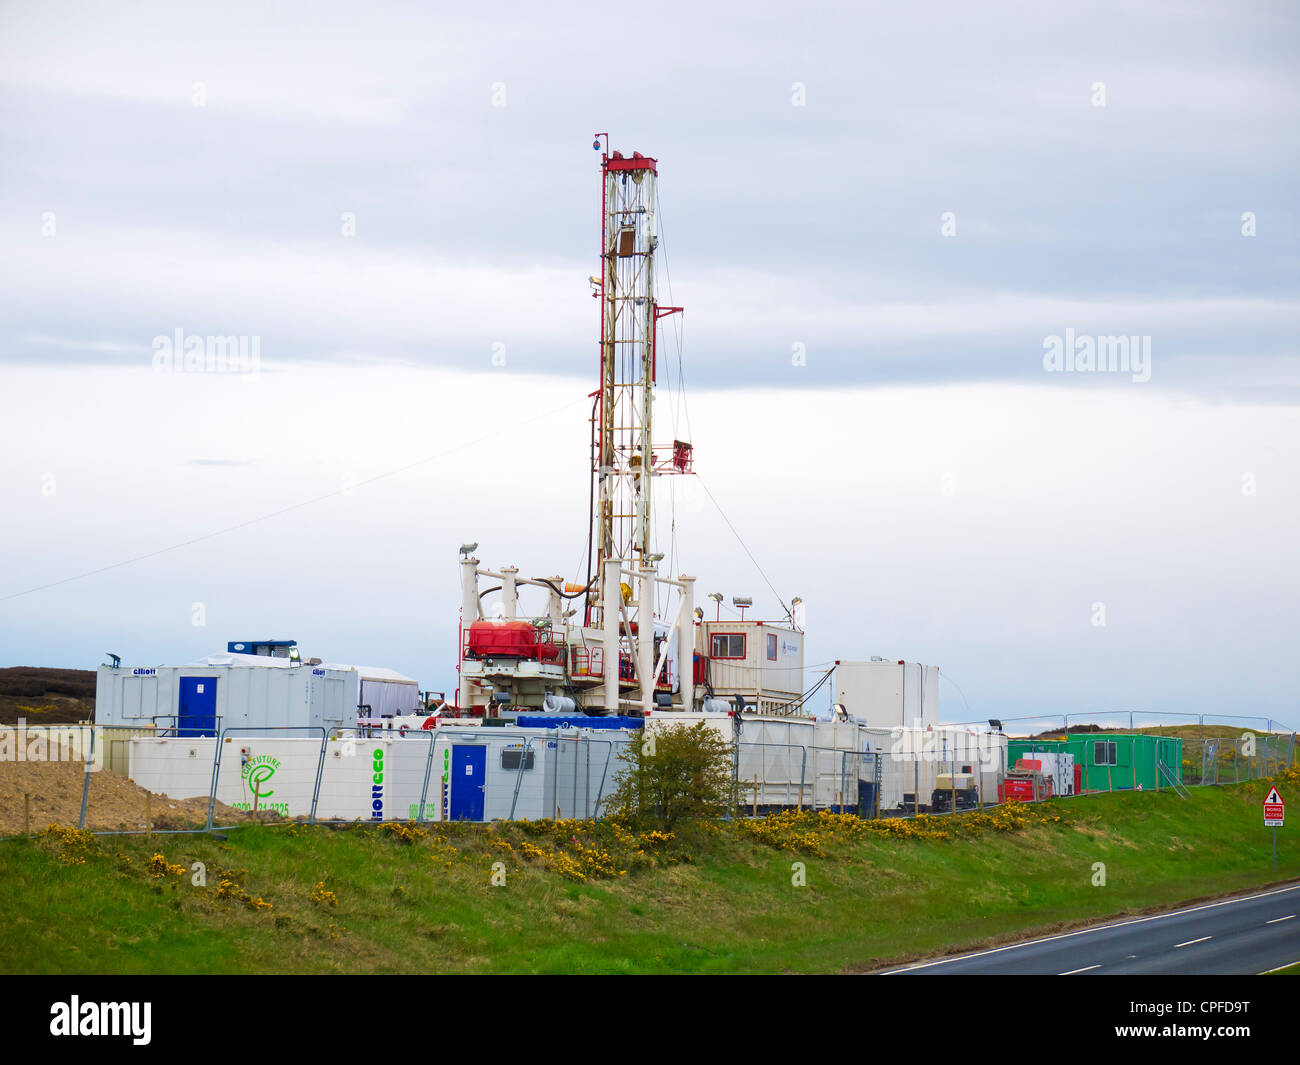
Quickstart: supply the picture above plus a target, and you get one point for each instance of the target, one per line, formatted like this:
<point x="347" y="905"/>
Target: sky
<point x="882" y="221"/>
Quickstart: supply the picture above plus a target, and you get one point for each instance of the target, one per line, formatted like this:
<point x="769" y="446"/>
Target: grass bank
<point x="596" y="897"/>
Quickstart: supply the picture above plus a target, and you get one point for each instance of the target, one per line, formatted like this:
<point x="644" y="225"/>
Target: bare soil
<point x="114" y="802"/>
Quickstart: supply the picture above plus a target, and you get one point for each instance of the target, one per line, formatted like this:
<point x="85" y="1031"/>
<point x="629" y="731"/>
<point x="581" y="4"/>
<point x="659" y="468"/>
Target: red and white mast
<point x="623" y="454"/>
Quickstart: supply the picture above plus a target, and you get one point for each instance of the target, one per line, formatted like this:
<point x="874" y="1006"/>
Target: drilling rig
<point x="617" y="658"/>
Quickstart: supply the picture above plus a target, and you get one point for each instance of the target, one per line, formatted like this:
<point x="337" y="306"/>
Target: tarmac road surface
<point x="1244" y="935"/>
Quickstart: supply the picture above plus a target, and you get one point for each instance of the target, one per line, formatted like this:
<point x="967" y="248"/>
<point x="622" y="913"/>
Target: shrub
<point x="159" y="866"/>
<point x="687" y="775"/>
<point x="322" y="896"/>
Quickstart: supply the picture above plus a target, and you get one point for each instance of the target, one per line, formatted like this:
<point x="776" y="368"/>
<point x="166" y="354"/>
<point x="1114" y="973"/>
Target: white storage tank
<point x="884" y="694"/>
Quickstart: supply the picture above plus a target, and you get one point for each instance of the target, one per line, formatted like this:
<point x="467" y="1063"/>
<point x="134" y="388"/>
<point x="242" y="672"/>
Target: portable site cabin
<point x="782" y="761"/>
<point x="475" y="774"/>
<point x="759" y="660"/>
<point x="380" y="692"/>
<point x="546" y="765"/>
<point x="234" y="690"/>
<point x="884" y="694"/>
<point x="1113" y="761"/>
<point x="845" y="765"/>
<point x="828" y="765"/>
<point x="522" y="774"/>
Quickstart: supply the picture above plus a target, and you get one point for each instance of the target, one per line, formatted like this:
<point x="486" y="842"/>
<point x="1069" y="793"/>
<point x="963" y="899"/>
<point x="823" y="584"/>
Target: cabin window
<point x="1103" y="753"/>
<point x="771" y="647"/>
<point x="728" y="645"/>
<point x="510" y="759"/>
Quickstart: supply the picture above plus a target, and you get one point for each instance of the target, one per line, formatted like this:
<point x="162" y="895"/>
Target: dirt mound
<point x="114" y="803"/>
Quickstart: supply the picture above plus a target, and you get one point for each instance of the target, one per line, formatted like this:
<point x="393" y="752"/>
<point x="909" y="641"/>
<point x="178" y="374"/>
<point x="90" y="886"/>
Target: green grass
<point x="429" y="906"/>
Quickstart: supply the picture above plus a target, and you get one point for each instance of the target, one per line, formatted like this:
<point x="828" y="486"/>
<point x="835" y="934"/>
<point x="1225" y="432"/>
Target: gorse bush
<point x="810" y="833"/>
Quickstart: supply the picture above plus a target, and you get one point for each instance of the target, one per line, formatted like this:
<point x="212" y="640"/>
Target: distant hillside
<point x="46" y="696"/>
<point x="1188" y="731"/>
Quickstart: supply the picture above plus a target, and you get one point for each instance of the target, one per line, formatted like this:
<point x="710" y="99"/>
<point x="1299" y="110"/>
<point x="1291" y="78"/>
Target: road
<point x="1244" y="935"/>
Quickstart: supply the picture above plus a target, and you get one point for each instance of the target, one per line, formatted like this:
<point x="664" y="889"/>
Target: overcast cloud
<point x="876" y="215"/>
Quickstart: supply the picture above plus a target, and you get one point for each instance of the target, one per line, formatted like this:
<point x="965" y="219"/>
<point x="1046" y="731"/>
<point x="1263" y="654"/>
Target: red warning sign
<point x="1274" y="809"/>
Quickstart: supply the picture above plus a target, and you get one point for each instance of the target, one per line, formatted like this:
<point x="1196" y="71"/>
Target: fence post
<point x="916" y="785"/>
<point x="600" y="792"/>
<point x="803" y="773"/>
<point x="428" y="768"/>
<point x="519" y="775"/>
<point x="85" y="784"/>
<point x="576" y="741"/>
<point x="1201" y="720"/>
<point x="844" y="782"/>
<point x="952" y="779"/>
<point x="320" y="772"/>
<point x="216" y="772"/>
<point x="876" y="770"/>
<point x="734" y="809"/>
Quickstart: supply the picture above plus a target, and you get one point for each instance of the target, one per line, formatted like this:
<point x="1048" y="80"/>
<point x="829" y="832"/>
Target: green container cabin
<point x="1112" y="761"/>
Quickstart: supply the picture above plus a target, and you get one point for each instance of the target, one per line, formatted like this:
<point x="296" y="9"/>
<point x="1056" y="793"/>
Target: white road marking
<point x="1083" y="970"/>
<point x="1094" y="928"/>
<point x="1280" y="967"/>
<point x="1191" y="941"/>
<point x="1276" y="919"/>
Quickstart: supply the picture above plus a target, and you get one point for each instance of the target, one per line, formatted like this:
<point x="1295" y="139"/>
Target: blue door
<point x="197" y="709"/>
<point x="468" y="777"/>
